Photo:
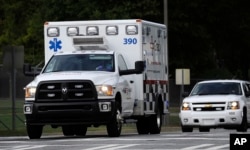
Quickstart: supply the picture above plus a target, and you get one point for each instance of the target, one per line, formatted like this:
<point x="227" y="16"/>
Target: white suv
<point x="217" y="103"/>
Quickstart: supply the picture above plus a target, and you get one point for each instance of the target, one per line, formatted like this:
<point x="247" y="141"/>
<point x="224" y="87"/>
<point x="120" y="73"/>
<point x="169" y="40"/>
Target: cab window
<point x="246" y="88"/>
<point x="122" y="64"/>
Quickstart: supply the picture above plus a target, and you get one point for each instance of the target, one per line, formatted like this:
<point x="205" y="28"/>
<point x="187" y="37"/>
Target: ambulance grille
<point x="66" y="91"/>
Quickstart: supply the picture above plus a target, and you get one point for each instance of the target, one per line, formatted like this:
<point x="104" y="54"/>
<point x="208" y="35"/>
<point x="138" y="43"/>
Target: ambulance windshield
<point x="81" y="62"/>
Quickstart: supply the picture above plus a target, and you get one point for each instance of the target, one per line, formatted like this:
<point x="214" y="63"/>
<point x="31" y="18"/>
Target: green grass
<point x="7" y="128"/>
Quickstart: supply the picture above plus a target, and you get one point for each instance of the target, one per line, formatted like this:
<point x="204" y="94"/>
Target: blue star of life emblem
<point x="55" y="44"/>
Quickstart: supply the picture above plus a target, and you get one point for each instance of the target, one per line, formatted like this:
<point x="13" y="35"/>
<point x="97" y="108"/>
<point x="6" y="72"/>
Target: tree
<point x="23" y="21"/>
<point x="190" y="43"/>
<point x="209" y="37"/>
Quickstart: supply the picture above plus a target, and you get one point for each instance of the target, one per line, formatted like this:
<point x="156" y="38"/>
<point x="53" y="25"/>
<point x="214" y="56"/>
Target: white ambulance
<point x="104" y="72"/>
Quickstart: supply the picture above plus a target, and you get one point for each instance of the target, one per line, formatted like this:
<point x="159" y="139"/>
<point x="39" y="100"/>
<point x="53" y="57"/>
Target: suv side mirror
<point x="185" y="94"/>
<point x="247" y="94"/>
<point x="139" y="68"/>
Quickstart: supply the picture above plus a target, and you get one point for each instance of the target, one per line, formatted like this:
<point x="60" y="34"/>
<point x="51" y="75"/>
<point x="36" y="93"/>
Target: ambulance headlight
<point x="131" y="30"/>
<point x="92" y="30"/>
<point x="30" y="93"/>
<point x="111" y="30"/>
<point x="53" y="32"/>
<point x="72" y="31"/>
<point x="104" y="90"/>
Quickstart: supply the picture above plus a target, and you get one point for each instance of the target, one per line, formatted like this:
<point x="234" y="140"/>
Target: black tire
<point x="244" y="125"/>
<point x="81" y="130"/>
<point x="68" y="130"/>
<point x="155" y="122"/>
<point x="204" y="129"/>
<point x="142" y="126"/>
<point x="186" y="129"/>
<point x="34" y="131"/>
<point x="114" y="127"/>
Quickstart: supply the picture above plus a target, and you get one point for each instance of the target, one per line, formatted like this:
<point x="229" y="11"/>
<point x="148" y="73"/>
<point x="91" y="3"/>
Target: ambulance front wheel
<point x="34" y="131"/>
<point x="114" y="127"/>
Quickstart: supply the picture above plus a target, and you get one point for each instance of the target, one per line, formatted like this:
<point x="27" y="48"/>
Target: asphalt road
<point x="216" y="139"/>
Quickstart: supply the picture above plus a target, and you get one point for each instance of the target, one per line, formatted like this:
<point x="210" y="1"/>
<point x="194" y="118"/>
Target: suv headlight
<point x="185" y="106"/>
<point x="30" y="93"/>
<point x="233" y="105"/>
<point x="104" y="90"/>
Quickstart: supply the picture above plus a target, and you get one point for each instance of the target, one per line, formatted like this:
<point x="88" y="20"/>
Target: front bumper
<point x="66" y="113"/>
<point x="211" y="119"/>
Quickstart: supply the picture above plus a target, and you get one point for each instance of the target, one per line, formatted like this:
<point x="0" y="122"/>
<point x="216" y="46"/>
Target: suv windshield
<point x="80" y="62"/>
<point x="216" y="88"/>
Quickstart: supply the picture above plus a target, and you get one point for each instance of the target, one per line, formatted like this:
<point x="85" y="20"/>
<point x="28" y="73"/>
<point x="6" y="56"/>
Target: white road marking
<point x="24" y="147"/>
<point x="111" y="147"/>
<point x="101" y="147"/>
<point x="10" y="142"/>
<point x="122" y="146"/>
<point x="218" y="147"/>
<point x="197" y="146"/>
<point x="169" y="139"/>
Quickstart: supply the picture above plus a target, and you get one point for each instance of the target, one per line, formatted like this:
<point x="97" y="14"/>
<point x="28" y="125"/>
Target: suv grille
<point x="212" y="106"/>
<point x="66" y="91"/>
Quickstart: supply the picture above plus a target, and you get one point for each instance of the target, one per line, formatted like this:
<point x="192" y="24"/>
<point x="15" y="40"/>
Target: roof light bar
<point x="88" y="41"/>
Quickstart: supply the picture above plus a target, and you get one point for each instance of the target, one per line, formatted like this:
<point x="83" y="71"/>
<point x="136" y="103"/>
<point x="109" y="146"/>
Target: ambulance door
<point x="127" y="90"/>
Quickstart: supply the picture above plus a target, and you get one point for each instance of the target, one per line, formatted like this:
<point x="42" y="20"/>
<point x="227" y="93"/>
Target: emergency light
<point x="131" y="29"/>
<point x="87" y="40"/>
<point x="72" y="31"/>
<point x="92" y="30"/>
<point x="90" y="43"/>
<point x="53" y="32"/>
<point x="112" y="30"/>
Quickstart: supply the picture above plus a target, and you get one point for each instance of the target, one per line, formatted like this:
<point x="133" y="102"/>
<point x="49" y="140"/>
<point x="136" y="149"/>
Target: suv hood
<point x="98" y="77"/>
<point x="212" y="98"/>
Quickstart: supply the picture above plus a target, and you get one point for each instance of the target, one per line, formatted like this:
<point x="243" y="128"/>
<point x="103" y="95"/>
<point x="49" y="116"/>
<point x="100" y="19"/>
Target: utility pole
<point x="13" y="86"/>
<point x="165" y="18"/>
<point x="165" y="8"/>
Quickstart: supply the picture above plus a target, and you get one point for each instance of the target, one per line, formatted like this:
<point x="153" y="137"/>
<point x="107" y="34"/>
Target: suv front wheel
<point x="244" y="125"/>
<point x="186" y="129"/>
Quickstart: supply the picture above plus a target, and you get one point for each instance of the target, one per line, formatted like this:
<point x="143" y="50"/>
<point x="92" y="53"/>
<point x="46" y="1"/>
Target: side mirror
<point x="139" y="68"/>
<point x="28" y="71"/>
<point x="26" y="68"/>
<point x="185" y="94"/>
<point x="247" y="94"/>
